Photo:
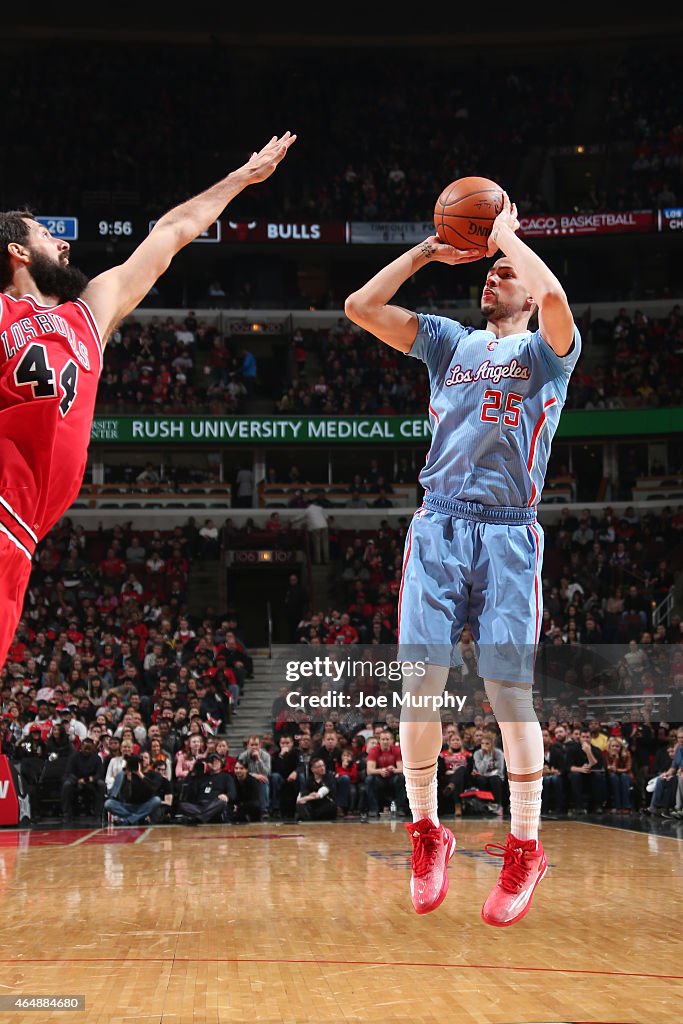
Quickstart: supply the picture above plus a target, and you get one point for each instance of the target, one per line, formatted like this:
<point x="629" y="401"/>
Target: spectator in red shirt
<point x="184" y="634"/>
<point x="112" y="566"/>
<point x="17" y="651"/>
<point x="344" y="633"/>
<point x="74" y="633"/>
<point x="223" y="748"/>
<point x="384" y="772"/>
<point x="43" y="721"/>
<point x="236" y="657"/>
<point x="274" y="523"/>
<point x="177" y="565"/>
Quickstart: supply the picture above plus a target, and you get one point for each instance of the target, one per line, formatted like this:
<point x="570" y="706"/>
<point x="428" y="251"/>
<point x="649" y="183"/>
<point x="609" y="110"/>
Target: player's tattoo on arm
<point x="427" y="249"/>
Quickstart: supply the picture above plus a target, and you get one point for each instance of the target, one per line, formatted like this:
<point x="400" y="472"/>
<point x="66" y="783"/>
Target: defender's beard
<point x="57" y="279"/>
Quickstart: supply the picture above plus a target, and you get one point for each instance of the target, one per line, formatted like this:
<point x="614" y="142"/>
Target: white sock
<point x="525" y="808"/>
<point x="421" y="793"/>
<point x="421" y="739"/>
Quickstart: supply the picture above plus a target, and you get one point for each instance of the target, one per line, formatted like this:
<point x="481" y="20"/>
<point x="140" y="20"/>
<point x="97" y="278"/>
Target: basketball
<point x="465" y="211"/>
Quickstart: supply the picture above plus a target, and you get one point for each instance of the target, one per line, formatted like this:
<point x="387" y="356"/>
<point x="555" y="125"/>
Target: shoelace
<point x="425" y="846"/>
<point x="514" y="872"/>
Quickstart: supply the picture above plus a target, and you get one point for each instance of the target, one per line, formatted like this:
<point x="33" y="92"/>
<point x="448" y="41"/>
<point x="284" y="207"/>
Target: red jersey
<point x="455" y="758"/>
<point x="50" y="364"/>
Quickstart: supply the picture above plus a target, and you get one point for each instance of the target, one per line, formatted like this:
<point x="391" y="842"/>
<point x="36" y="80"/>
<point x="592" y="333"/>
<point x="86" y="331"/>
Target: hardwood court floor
<point x="284" y="923"/>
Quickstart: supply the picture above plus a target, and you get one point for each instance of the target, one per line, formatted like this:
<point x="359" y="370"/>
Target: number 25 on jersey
<point x="495" y="405"/>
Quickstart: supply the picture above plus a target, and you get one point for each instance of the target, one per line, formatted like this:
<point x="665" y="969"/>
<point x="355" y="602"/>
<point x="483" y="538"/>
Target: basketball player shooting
<point x="54" y="326"/>
<point x="474" y="549"/>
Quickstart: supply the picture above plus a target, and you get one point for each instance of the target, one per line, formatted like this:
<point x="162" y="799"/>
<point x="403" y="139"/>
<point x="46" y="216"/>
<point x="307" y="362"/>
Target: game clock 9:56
<point x="115" y="228"/>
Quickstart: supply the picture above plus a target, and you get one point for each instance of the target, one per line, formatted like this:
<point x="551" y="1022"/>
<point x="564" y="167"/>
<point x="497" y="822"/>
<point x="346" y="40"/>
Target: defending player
<point x="54" y="325"/>
<point x="474" y="550"/>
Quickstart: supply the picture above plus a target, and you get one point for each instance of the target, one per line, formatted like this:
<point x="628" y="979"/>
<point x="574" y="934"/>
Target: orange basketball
<point x="465" y="211"/>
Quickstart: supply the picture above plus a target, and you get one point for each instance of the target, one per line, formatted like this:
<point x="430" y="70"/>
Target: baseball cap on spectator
<point x="35" y="728"/>
<point x="44" y="694"/>
<point x="215" y="757"/>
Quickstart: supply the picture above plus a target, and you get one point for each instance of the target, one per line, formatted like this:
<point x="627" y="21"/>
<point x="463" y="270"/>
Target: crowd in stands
<point x="157" y="476"/>
<point x="357" y="376"/>
<point x="637" y="363"/>
<point x="162" y="760"/>
<point x="177" y="367"/>
<point x="106" y="643"/>
<point x="634" y="361"/>
<point x="181" y="366"/>
<point x="381" y="160"/>
<point x="599" y="647"/>
<point x="115" y="699"/>
<point x="287" y="488"/>
<point x="373" y="485"/>
<point x="603" y="575"/>
<point x="590" y="766"/>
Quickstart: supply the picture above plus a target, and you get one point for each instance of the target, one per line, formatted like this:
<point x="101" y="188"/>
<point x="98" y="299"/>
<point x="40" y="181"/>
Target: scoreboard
<point x="130" y="226"/>
<point x="60" y="226"/>
<point x="108" y="227"/>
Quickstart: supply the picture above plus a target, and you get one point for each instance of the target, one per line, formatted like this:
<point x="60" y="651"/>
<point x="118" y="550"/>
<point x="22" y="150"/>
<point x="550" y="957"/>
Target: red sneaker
<point x="524" y="866"/>
<point x="433" y="847"/>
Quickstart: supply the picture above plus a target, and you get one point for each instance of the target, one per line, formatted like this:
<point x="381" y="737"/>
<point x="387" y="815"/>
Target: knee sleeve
<point x="513" y="706"/>
<point x="430" y="684"/>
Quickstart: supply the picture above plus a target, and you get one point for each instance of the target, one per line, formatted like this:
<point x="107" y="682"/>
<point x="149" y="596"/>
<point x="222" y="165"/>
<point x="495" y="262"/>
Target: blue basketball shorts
<point x="477" y="564"/>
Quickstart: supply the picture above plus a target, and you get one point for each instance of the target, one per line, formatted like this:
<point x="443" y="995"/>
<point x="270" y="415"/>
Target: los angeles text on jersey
<point x="494" y="372"/>
<point x="30" y="328"/>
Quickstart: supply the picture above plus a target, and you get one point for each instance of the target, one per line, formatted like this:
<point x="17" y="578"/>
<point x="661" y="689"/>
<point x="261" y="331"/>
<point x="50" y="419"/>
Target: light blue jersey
<point x="494" y="408"/>
<point x="474" y="551"/>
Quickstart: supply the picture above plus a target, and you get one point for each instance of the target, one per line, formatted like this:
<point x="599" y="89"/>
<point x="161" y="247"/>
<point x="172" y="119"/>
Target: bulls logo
<point x="242" y="229"/>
